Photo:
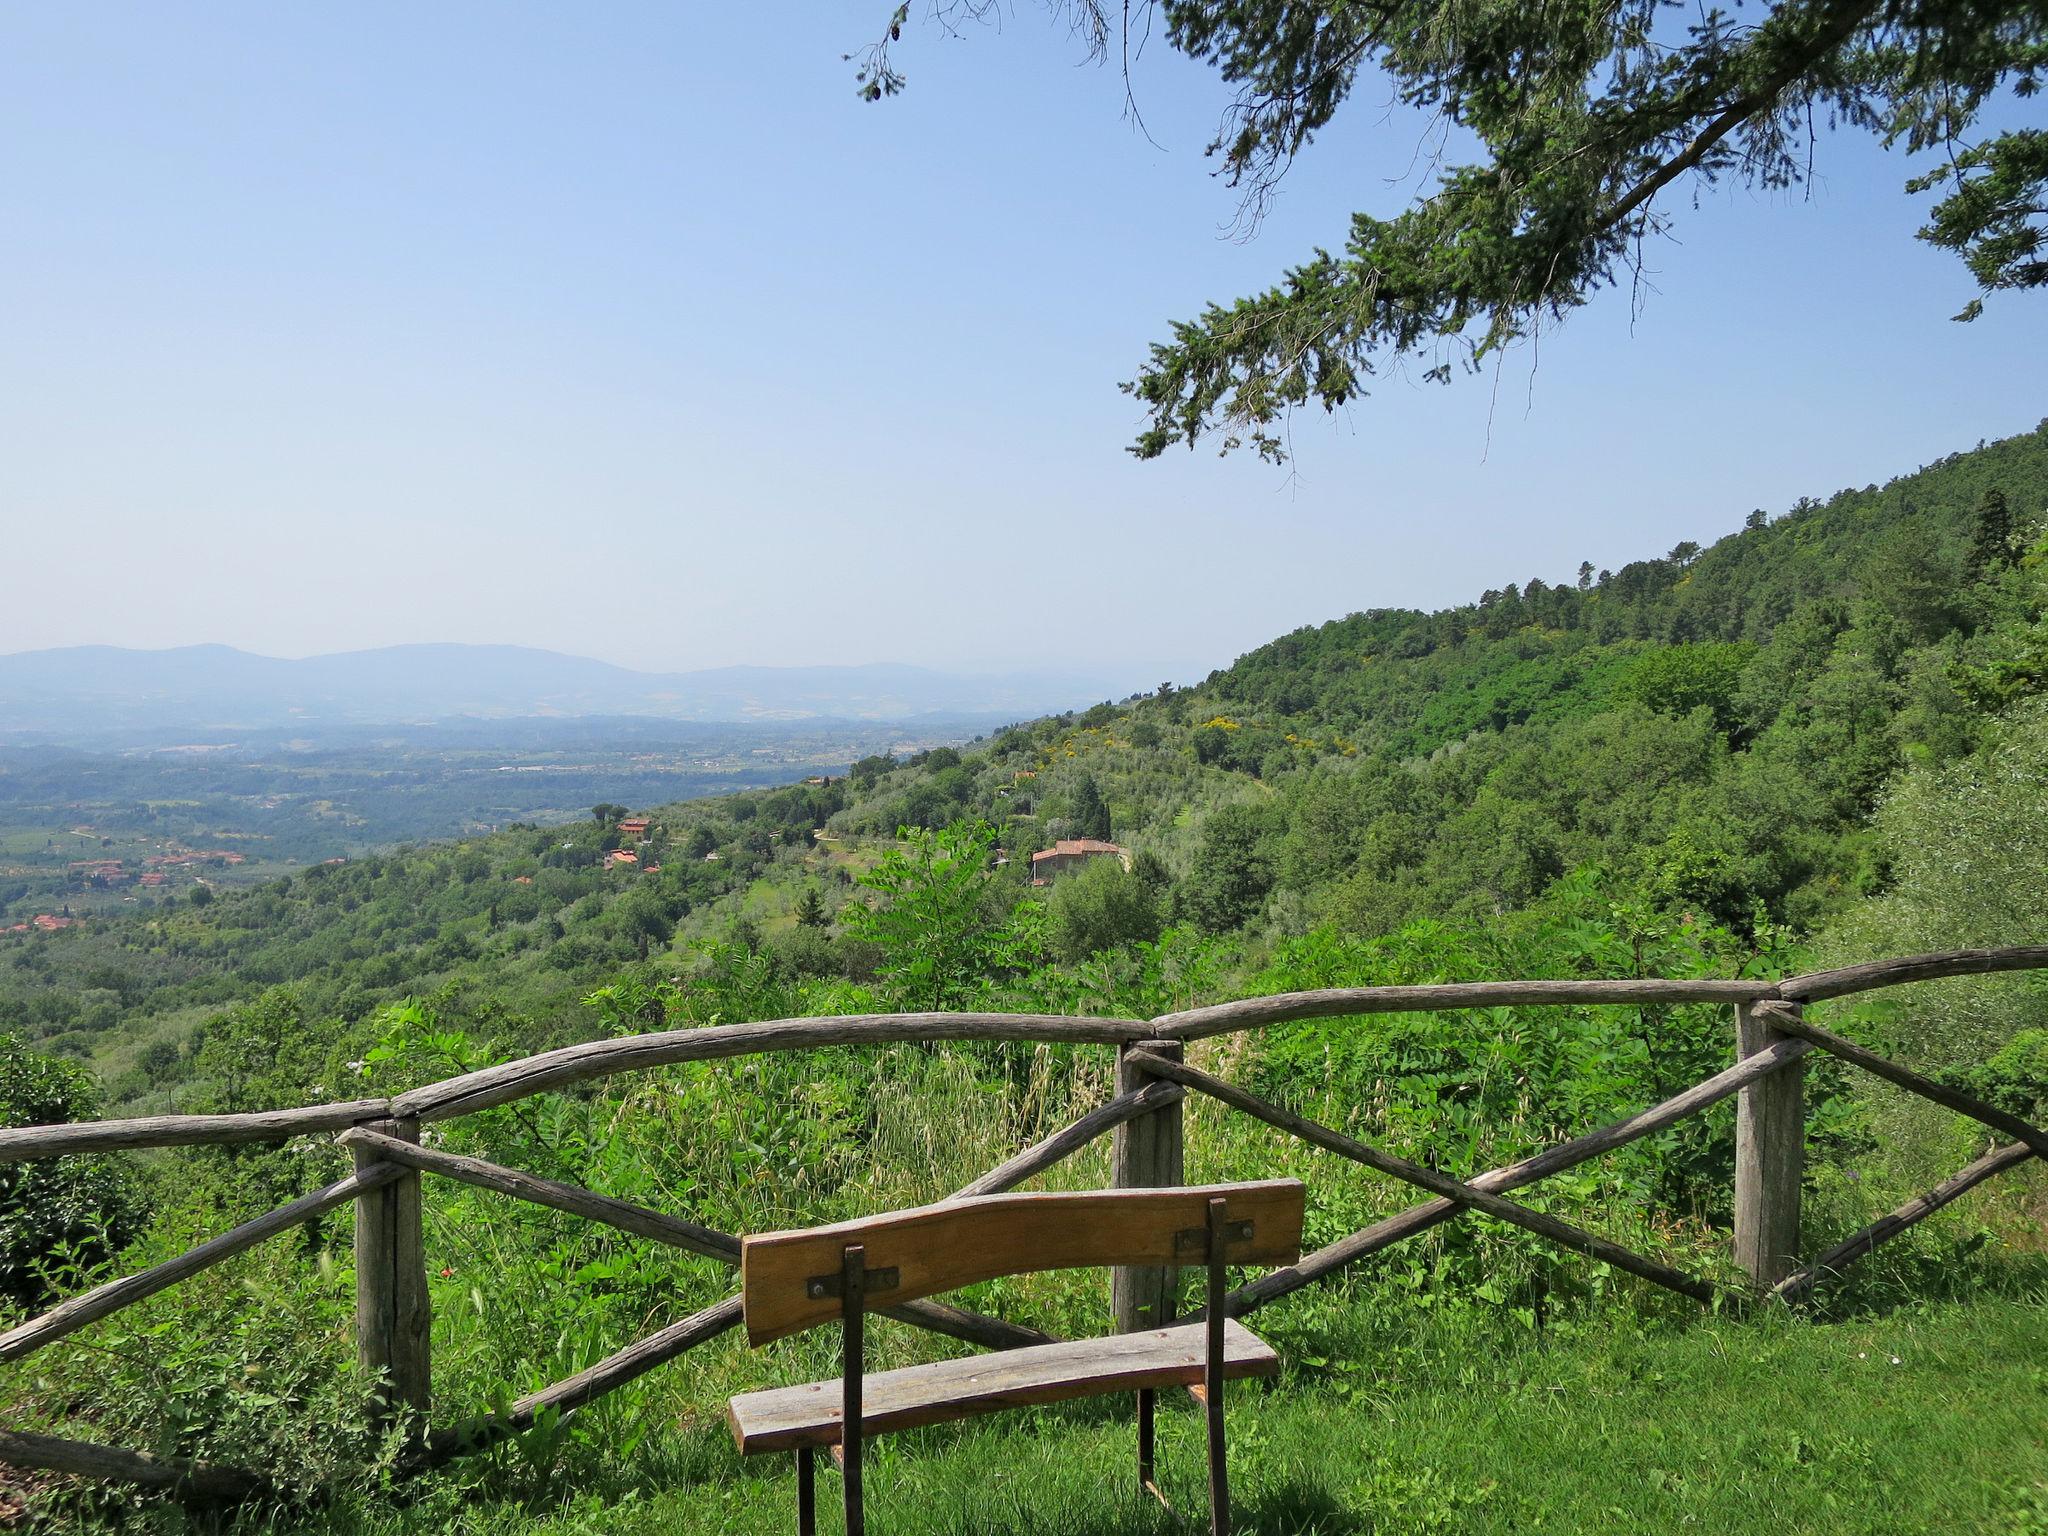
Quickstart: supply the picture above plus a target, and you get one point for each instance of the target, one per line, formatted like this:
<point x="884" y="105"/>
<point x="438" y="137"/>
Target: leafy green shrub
<point x="1233" y="870"/>
<point x="69" y="1212"/>
<point x="1099" y="907"/>
<point x="2016" y="1079"/>
<point x="943" y="926"/>
<point x="1678" y="679"/>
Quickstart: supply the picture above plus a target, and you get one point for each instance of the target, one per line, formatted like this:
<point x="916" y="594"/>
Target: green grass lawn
<point x="1926" y="1419"/>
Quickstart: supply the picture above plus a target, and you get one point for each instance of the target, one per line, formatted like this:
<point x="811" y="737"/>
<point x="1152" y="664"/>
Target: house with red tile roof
<point x="1069" y="854"/>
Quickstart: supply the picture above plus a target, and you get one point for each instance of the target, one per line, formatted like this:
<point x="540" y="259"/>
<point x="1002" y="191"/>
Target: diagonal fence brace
<point x="1402" y="1225"/>
<point x="1860" y="1244"/>
<point x="1790" y="1021"/>
<point x="934" y="1316"/>
<point x="1538" y="1222"/>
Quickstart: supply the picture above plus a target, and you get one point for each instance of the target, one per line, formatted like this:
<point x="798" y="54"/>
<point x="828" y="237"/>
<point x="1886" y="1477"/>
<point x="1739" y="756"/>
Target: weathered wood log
<point x="1539" y="1222"/>
<point x="31" y="1141"/>
<point x="535" y="1074"/>
<point x="933" y="1316"/>
<point x="1069" y="1139"/>
<point x="1285" y="1007"/>
<point x="1146" y="1154"/>
<point x="622" y="1214"/>
<point x="976" y="1328"/>
<point x="1403" y="1225"/>
<point x="394" y="1326"/>
<point x="600" y="1058"/>
<point x="1790" y="1021"/>
<point x="1770" y="1152"/>
<point x="1914" y="1211"/>
<point x="197" y="1482"/>
<point x="609" y="1374"/>
<point x="90" y="1306"/>
<point x="1816" y="985"/>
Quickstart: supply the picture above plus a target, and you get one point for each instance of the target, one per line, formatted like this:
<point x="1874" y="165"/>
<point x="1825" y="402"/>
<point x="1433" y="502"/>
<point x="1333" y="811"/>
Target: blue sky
<point x="632" y="333"/>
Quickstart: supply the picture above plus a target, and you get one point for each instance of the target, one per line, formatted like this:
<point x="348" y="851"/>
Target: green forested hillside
<point x="1825" y="737"/>
<point x="1703" y="736"/>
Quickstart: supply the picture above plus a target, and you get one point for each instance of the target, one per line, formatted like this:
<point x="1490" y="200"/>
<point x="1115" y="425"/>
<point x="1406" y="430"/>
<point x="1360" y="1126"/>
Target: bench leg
<point x="1146" y="1480"/>
<point x="1212" y="1376"/>
<point x="1219" y="1471"/>
<point x="806" y="1494"/>
<point x="852" y="1364"/>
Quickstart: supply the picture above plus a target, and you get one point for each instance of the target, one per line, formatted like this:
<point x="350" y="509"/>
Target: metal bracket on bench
<point x="834" y="1284"/>
<point x="1196" y="1239"/>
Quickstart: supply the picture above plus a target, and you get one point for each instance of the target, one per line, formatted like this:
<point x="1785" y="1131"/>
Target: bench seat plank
<point x="787" y="1418"/>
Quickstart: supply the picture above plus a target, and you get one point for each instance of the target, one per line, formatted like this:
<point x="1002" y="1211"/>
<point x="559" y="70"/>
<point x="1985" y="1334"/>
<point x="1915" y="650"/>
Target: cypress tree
<point x="1091" y="812"/>
<point x="1991" y="546"/>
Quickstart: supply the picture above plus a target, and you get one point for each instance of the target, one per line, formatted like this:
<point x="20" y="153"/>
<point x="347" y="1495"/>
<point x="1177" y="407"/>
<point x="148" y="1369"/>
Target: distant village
<point x="634" y="855"/>
<point x="156" y="872"/>
<point x="156" y="869"/>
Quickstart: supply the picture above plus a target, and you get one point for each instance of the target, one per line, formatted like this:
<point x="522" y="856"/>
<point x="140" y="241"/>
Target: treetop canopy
<point x="1584" y="113"/>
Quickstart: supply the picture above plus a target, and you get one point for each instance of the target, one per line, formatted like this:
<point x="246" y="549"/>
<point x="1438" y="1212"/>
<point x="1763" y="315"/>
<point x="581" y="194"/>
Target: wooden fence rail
<point x="1772" y="1041"/>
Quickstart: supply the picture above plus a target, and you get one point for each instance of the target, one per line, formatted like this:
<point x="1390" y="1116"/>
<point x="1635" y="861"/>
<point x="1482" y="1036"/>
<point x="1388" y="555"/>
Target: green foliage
<point x="1099" y="907"/>
<point x="60" y="1214"/>
<point x="2016" y="1078"/>
<point x="1677" y="769"/>
<point x="1682" y="678"/>
<point x="1233" y="869"/>
<point x="1088" y="811"/>
<point x="1991" y="542"/>
<point x="941" y="924"/>
<point x="1713" y="728"/>
<point x="810" y="909"/>
<point x="1963" y="845"/>
<point x="1577" y="120"/>
<point x="1992" y="215"/>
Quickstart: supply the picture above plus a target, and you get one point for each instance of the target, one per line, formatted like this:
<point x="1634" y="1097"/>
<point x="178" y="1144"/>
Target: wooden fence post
<point x="392" y="1309"/>
<point x="1770" y="1144"/>
<point x="1145" y="1154"/>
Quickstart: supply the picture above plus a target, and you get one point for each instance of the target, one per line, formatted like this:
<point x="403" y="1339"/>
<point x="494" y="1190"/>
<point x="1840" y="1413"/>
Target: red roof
<point x="1077" y="847"/>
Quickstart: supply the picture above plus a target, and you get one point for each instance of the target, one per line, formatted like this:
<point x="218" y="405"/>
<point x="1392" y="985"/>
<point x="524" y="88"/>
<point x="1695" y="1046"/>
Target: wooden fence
<point x="1772" y="1037"/>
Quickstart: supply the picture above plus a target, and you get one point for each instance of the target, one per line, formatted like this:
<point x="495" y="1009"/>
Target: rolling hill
<point x="1702" y="741"/>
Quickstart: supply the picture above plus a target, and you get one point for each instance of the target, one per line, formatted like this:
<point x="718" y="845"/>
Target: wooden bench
<point x="791" y="1281"/>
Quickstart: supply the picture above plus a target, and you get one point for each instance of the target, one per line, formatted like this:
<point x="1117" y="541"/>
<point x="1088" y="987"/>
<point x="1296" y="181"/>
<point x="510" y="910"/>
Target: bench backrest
<point x="789" y="1280"/>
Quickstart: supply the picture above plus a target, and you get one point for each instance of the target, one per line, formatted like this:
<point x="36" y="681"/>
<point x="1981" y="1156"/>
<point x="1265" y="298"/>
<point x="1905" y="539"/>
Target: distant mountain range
<point x="210" y="688"/>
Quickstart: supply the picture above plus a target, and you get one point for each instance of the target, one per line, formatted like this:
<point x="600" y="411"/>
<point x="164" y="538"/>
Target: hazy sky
<point x="629" y="331"/>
